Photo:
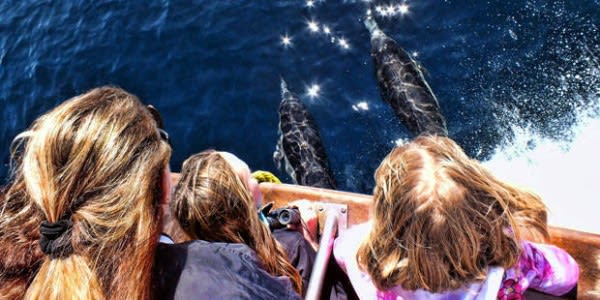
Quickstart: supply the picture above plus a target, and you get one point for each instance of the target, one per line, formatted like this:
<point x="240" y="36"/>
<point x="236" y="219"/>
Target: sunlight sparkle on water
<point x="310" y="3"/>
<point x="313" y="26"/>
<point x="327" y="32"/>
<point x="343" y="43"/>
<point x="363" y="105"/>
<point x="286" y="41"/>
<point x="403" y="8"/>
<point x="392" y="10"/>
<point x="399" y="142"/>
<point x="313" y="90"/>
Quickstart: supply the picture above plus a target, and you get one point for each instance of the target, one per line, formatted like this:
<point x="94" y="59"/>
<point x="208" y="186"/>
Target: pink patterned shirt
<point x="542" y="267"/>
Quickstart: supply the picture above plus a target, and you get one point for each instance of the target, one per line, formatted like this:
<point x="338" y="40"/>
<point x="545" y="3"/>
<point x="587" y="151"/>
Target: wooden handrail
<point x="583" y="246"/>
<point x="359" y="205"/>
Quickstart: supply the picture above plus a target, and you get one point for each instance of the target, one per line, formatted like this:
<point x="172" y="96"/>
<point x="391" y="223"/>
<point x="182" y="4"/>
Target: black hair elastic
<point x="53" y="241"/>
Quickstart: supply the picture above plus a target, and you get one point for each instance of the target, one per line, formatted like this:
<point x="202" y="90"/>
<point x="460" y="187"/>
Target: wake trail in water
<point x="563" y="173"/>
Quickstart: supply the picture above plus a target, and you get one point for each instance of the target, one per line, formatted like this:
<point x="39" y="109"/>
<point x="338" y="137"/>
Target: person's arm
<point x="344" y="251"/>
<point x="309" y="225"/>
<point x="299" y="251"/>
<point x="546" y="268"/>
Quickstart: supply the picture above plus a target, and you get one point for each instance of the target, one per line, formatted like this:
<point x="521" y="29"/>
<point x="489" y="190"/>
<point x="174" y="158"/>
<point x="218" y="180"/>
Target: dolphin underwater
<point x="403" y="86"/>
<point x="300" y="145"/>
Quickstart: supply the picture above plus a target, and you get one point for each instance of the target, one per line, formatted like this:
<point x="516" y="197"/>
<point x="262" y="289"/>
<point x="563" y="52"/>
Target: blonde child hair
<point x="440" y="219"/>
<point x="213" y="203"/>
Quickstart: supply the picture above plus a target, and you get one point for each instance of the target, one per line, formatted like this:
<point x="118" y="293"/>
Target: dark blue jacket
<point x="203" y="270"/>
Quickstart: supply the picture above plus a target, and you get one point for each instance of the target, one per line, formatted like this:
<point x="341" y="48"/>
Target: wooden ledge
<point x="583" y="246"/>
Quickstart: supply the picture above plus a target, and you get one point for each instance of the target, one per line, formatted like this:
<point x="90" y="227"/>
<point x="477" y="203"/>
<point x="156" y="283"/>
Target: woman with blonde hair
<point x="81" y="218"/>
<point x="443" y="227"/>
<point x="216" y="201"/>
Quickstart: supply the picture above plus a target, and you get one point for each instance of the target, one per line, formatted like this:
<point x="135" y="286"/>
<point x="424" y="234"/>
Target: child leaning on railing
<point x="443" y="227"/>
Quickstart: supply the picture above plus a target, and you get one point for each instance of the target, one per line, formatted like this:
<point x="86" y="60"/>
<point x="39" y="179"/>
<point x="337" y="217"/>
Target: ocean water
<point x="518" y="81"/>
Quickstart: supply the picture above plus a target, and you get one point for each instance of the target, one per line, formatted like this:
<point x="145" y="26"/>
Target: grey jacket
<point x="203" y="270"/>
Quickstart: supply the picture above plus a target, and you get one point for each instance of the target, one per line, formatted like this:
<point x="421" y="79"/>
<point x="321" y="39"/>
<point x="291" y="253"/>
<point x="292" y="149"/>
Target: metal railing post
<point x="325" y="248"/>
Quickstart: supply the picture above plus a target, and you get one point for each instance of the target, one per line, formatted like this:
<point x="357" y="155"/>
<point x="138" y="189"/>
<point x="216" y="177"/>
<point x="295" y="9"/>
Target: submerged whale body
<point x="403" y="85"/>
<point x="300" y="145"/>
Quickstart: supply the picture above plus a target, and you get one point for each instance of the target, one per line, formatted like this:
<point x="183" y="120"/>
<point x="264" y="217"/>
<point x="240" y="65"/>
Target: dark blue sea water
<point x="212" y="68"/>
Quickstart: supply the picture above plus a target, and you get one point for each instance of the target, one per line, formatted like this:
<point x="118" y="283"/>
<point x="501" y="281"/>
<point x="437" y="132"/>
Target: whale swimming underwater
<point x="403" y="86"/>
<point x="300" y="145"/>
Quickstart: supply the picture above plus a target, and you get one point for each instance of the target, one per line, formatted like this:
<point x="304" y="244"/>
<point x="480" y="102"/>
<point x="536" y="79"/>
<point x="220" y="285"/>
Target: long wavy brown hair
<point x="212" y="203"/>
<point x="99" y="158"/>
<point x="440" y="219"/>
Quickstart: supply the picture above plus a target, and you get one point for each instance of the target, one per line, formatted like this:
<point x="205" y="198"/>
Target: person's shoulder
<point x="217" y="270"/>
<point x="359" y="230"/>
<point x="201" y="249"/>
<point x="289" y="238"/>
<point x="348" y="241"/>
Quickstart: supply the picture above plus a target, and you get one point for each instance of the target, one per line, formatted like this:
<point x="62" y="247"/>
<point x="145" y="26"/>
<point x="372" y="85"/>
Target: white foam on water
<point x="565" y="174"/>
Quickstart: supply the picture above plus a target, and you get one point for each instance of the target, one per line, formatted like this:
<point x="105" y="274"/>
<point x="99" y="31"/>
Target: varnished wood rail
<point x="583" y="246"/>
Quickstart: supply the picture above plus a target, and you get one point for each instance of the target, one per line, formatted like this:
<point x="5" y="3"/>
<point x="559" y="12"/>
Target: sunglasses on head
<point x="159" y="123"/>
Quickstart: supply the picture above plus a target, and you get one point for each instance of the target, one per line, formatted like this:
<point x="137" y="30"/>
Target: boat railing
<point x="584" y="247"/>
<point x="330" y="229"/>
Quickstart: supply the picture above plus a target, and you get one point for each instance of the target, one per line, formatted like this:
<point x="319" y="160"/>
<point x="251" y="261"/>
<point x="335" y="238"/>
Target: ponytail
<point x="81" y="218"/>
<point x="55" y="280"/>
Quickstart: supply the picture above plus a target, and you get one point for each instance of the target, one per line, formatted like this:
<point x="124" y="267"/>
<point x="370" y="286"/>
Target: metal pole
<point x="325" y="248"/>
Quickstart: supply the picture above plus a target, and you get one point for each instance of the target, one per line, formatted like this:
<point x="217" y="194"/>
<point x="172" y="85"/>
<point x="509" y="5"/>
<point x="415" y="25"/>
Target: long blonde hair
<point x="95" y="161"/>
<point x="440" y="219"/>
<point x="212" y="203"/>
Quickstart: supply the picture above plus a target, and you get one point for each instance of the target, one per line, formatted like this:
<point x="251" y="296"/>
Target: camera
<point x="279" y="218"/>
<point x="283" y="217"/>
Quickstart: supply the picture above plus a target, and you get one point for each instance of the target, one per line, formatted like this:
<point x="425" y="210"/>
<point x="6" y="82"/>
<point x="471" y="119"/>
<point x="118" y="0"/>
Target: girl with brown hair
<point x="216" y="201"/>
<point x="81" y="217"/>
<point x="443" y="227"/>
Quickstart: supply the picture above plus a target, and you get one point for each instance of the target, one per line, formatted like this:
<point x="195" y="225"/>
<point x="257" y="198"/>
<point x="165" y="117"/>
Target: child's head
<point x="213" y="201"/>
<point x="440" y="219"/>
